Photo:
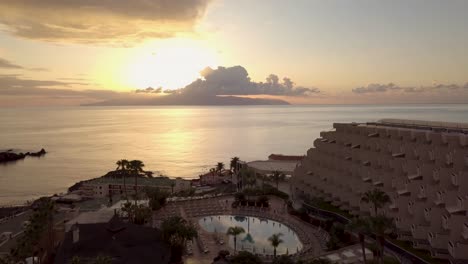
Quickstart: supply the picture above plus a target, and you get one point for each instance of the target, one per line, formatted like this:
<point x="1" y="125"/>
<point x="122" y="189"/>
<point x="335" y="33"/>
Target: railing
<point x="395" y="249"/>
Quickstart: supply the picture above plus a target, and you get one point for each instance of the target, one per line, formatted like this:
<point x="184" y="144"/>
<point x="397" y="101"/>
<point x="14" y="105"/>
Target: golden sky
<point x="55" y="52"/>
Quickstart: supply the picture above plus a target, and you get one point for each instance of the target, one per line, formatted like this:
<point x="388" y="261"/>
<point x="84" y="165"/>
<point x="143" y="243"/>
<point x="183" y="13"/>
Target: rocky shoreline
<point x="10" y="156"/>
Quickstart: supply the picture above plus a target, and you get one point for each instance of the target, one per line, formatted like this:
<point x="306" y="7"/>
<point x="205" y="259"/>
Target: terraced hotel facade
<point x="422" y="166"/>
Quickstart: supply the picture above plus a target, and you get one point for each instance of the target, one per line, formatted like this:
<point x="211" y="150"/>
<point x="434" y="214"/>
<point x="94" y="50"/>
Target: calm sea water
<point x="85" y="142"/>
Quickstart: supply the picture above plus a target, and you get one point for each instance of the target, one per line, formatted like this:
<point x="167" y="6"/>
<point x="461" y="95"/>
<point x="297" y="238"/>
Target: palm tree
<point x="276" y="177"/>
<point x="377" y="198"/>
<point x="136" y="166"/>
<point x="123" y="165"/>
<point x="361" y="227"/>
<point x="219" y="167"/>
<point x="233" y="164"/>
<point x="235" y="231"/>
<point x="275" y="240"/>
<point x="176" y="231"/>
<point x="380" y="226"/>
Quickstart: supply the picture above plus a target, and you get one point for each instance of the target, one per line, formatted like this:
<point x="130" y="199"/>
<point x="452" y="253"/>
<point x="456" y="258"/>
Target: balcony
<point x="458" y="250"/>
<point x="458" y="208"/>
<point x="439" y="200"/>
<point x="378" y="183"/>
<point x="398" y="155"/>
<point x="431" y="155"/>
<point x="454" y="179"/>
<point x="393" y="207"/>
<point x="410" y="208"/>
<point x="422" y="193"/>
<point x="366" y="179"/>
<point x="403" y="225"/>
<point x="449" y="159"/>
<point x="446" y="222"/>
<point x="403" y="192"/>
<point x="415" y="176"/>
<point x="419" y="231"/>
<point x="436" y="176"/>
<point x="438" y="240"/>
<point x="427" y="214"/>
<point x="465" y="230"/>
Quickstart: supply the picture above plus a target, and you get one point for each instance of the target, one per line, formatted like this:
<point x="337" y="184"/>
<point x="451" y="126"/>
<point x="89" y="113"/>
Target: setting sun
<point x="171" y="66"/>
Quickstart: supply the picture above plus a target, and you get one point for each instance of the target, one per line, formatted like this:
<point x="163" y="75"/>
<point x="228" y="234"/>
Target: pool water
<point x="257" y="232"/>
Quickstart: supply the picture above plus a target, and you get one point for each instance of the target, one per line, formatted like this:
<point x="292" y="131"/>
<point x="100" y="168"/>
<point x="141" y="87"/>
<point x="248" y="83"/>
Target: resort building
<point x="276" y="162"/>
<point x="422" y="166"/>
<point x="105" y="186"/>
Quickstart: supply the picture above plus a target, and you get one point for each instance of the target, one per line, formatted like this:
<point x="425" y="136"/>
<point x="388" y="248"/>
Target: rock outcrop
<point x="9" y="155"/>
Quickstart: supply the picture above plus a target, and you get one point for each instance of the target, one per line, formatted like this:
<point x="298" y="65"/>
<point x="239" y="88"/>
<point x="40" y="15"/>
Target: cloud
<point x="391" y="87"/>
<point x="8" y="65"/>
<point x="149" y="90"/>
<point x="236" y="81"/>
<point x="14" y="85"/>
<point x="103" y="21"/>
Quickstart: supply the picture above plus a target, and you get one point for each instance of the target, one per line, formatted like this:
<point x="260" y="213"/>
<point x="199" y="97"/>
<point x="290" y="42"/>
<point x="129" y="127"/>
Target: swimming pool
<point x="257" y="232"/>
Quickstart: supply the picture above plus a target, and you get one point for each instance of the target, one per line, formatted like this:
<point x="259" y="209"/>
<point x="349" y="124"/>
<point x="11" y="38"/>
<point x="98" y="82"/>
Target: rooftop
<point x="270" y="166"/>
<point x="155" y="181"/>
<point x="123" y="242"/>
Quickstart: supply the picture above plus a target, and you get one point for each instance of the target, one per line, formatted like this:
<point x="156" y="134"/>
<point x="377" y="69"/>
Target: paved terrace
<point x="312" y="238"/>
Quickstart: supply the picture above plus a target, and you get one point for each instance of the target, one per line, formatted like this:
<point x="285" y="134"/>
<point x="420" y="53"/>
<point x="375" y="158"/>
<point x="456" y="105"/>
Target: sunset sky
<point x="56" y="52"/>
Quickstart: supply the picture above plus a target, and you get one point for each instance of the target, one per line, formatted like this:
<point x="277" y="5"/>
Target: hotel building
<point x="105" y="186"/>
<point x="422" y="166"/>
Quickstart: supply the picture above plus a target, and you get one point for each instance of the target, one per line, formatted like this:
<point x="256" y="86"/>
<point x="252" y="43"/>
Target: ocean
<point x="85" y="142"/>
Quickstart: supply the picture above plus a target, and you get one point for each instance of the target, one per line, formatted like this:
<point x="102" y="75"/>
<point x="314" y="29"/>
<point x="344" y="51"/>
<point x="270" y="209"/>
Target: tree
<point x="176" y="231"/>
<point x="245" y="257"/>
<point x="123" y="165"/>
<point x="156" y="197"/>
<point x="219" y="167"/>
<point x="39" y="231"/>
<point x="137" y="214"/>
<point x="361" y="227"/>
<point x="136" y="167"/>
<point x="235" y="231"/>
<point x="275" y="241"/>
<point x="377" y="198"/>
<point x="380" y="226"/>
<point x="233" y="164"/>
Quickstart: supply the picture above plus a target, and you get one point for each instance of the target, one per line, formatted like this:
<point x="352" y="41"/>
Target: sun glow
<point x="170" y="66"/>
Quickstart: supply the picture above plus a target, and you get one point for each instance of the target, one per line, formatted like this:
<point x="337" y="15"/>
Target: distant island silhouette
<point x="178" y="99"/>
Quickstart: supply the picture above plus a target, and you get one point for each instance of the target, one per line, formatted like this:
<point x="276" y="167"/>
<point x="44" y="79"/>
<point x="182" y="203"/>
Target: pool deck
<point x="311" y="237"/>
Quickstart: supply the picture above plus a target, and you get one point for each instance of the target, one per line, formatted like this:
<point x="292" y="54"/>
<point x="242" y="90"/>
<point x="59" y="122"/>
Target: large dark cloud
<point x="236" y="81"/>
<point x="391" y="87"/>
<point x="99" y="21"/>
